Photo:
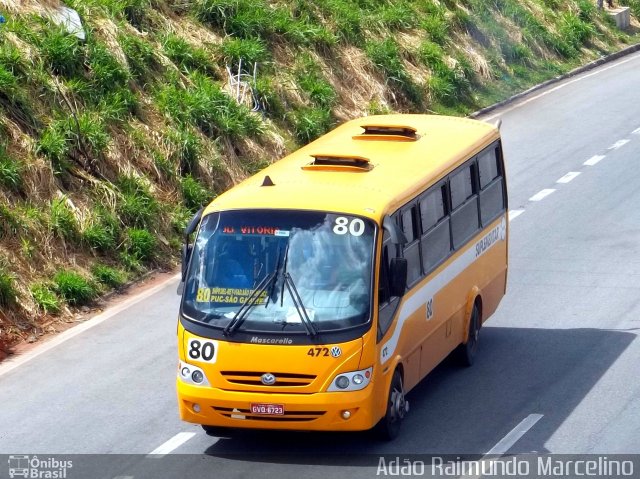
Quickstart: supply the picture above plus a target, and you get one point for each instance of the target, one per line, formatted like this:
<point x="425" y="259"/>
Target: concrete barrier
<point x="622" y="16"/>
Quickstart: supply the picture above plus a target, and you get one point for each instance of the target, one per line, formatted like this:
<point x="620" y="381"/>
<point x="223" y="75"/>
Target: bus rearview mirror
<point x="398" y="276"/>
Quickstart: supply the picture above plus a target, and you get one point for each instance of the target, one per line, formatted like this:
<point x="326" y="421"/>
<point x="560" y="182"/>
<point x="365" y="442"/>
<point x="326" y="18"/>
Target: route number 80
<point x="205" y="351"/>
<point x="355" y="227"/>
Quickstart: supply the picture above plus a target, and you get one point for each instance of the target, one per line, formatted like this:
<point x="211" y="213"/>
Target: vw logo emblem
<point x="336" y="351"/>
<point x="268" y="379"/>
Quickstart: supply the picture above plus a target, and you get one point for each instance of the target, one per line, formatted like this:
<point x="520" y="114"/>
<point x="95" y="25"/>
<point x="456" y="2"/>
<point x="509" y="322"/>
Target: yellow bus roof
<point x="383" y="168"/>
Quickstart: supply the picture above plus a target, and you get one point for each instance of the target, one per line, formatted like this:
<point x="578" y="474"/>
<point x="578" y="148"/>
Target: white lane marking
<point x="12" y="363"/>
<point x="514" y="435"/>
<point x="542" y="194"/>
<point x="123" y="477"/>
<point x="618" y="144"/>
<point x="594" y="160"/>
<point x="172" y="444"/>
<point x="546" y="92"/>
<point x="636" y="131"/>
<point x="513" y="214"/>
<point x="504" y="444"/>
<point x="568" y="177"/>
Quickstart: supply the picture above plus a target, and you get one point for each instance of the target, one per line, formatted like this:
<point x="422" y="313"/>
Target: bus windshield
<point x="281" y="271"/>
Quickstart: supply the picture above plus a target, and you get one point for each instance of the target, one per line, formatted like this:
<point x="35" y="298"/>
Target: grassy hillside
<point x="107" y="146"/>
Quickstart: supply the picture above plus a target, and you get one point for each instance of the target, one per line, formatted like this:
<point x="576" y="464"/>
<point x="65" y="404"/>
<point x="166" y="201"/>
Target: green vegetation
<point x="108" y="145"/>
<point x="74" y="288"/>
<point x="108" y="276"/>
<point x="8" y="293"/>
<point x="10" y="171"/>
<point x="45" y="299"/>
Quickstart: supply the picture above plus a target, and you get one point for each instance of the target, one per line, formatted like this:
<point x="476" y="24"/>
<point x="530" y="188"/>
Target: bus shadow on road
<point x="455" y="410"/>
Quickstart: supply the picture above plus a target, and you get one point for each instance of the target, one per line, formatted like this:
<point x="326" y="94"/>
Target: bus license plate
<point x="267" y="409"/>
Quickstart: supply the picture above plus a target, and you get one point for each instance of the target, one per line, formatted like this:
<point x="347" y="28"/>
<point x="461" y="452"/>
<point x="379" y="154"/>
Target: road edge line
<point x="577" y="71"/>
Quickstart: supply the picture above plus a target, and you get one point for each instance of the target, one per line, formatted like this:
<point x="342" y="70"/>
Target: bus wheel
<point x="397" y="407"/>
<point x="215" y="431"/>
<point x="467" y="351"/>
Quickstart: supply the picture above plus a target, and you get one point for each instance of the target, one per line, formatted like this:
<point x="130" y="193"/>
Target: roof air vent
<point x="388" y="132"/>
<point x="338" y="163"/>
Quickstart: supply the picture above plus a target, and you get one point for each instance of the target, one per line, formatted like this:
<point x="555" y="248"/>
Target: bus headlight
<point x="352" y="381"/>
<point x="191" y="374"/>
<point x="342" y="382"/>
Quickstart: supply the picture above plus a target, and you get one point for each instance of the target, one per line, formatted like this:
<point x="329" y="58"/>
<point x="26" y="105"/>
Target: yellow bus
<point x="321" y="290"/>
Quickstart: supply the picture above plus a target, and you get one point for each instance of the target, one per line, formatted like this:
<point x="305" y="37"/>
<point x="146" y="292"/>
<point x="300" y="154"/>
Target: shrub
<point x="195" y="195"/>
<point x="8" y="292"/>
<point x="346" y="20"/>
<point x="311" y="123"/>
<point x="187" y="149"/>
<point x="187" y="57"/>
<point x="180" y="218"/>
<point x="8" y="82"/>
<point x="45" y="298"/>
<point x="74" y="288"/>
<point x="268" y="98"/>
<point x="244" y="18"/>
<point x="250" y="50"/>
<point x="62" y="221"/>
<point x="116" y="106"/>
<point x="54" y="143"/>
<point x="310" y="80"/>
<point x="91" y="131"/>
<point x="134" y="11"/>
<point x="100" y="236"/>
<point x="61" y="51"/>
<point x="10" y="171"/>
<point x="140" y="56"/>
<point x="85" y="133"/>
<point x="394" y="16"/>
<point x="437" y="28"/>
<point x="107" y="73"/>
<point x="11" y="222"/>
<point x="574" y="30"/>
<point x="108" y="276"/>
<point x="136" y="206"/>
<point x="140" y="244"/>
<point x="385" y="56"/>
<point x="205" y="106"/>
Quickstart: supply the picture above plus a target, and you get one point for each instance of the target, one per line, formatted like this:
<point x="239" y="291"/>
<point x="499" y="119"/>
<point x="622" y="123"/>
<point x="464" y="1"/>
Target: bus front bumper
<point x="326" y="411"/>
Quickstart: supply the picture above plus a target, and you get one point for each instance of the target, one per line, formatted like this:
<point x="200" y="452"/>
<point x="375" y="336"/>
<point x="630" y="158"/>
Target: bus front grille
<point x="250" y="378"/>
<point x="288" y="416"/>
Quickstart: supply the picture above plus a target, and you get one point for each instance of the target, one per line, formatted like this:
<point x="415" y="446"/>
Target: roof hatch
<point x="388" y="132"/>
<point x="338" y="163"/>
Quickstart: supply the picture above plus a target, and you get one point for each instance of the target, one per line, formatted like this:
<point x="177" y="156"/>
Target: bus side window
<point x="411" y="250"/>
<point x="492" y="197"/>
<point x="436" y="239"/>
<point x="465" y="218"/>
<point x="386" y="303"/>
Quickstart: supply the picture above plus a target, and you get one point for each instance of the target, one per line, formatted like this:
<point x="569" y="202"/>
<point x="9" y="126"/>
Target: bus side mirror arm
<point x="395" y="233"/>
<point x="187" y="247"/>
<point x="398" y="276"/>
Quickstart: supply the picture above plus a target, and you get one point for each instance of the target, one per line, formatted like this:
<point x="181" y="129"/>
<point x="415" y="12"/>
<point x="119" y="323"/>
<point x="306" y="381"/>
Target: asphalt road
<point x="557" y="370"/>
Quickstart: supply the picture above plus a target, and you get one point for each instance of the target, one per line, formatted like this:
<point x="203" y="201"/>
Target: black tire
<point x="216" y="431"/>
<point x="389" y="426"/>
<point x="467" y="351"/>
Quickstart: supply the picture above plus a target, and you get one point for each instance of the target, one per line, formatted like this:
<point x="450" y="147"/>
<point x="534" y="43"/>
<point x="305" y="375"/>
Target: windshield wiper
<point x="270" y="282"/>
<point x="241" y="314"/>
<point x="297" y="302"/>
